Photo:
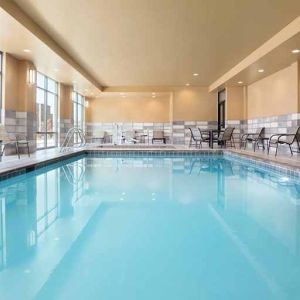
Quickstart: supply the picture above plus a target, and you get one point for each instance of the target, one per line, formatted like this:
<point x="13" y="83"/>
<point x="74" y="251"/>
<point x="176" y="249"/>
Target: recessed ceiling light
<point x="296" y="51"/>
<point x="240" y="82"/>
<point x="195" y="74"/>
<point x="153" y="93"/>
<point x="26" y="50"/>
<point x="153" y="96"/>
<point x="124" y="96"/>
<point x="187" y="84"/>
<point x="260" y="70"/>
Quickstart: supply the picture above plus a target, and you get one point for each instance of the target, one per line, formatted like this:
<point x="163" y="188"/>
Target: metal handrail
<point x="70" y="136"/>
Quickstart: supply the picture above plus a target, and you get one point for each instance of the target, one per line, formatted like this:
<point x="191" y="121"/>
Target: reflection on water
<point x="31" y="204"/>
<point x="40" y="209"/>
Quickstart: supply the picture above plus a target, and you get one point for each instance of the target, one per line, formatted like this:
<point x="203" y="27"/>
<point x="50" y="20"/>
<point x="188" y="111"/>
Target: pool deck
<point x="11" y="164"/>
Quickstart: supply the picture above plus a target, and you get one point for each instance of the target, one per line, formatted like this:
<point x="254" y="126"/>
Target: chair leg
<point x="17" y="150"/>
<point x="28" y="152"/>
<point x="291" y="150"/>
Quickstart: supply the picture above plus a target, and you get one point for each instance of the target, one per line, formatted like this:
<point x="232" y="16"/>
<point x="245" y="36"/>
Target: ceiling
<point x="15" y="38"/>
<point x="135" y="95"/>
<point x="275" y="60"/>
<point x="160" y="43"/>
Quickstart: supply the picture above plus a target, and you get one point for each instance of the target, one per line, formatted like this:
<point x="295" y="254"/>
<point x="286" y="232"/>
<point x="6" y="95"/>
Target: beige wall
<point x="276" y="94"/>
<point x="235" y="103"/>
<point x="192" y="104"/>
<point x="11" y="83"/>
<point x="180" y="104"/>
<point x="118" y="109"/>
<point x="19" y="95"/>
<point x="65" y="101"/>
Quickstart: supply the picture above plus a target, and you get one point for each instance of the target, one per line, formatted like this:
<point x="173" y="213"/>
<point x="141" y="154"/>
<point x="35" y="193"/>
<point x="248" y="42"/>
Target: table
<point x="211" y="133"/>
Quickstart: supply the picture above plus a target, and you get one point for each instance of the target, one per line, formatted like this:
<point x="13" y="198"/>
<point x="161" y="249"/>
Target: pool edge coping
<point x="269" y="164"/>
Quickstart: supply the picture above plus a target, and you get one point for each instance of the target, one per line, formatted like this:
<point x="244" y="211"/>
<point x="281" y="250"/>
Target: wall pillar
<point x="65" y="111"/>
<point x="19" y="100"/>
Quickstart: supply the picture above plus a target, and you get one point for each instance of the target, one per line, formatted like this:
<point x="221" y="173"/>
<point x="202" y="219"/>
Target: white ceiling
<point x="160" y="42"/>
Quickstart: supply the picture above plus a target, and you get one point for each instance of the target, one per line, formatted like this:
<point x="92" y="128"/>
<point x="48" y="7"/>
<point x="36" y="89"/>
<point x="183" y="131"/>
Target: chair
<point x="196" y="137"/>
<point x="254" y="138"/>
<point x="204" y="136"/>
<point x="226" y="137"/>
<point x="10" y="139"/>
<point x="158" y="135"/>
<point x="102" y="136"/>
<point x="285" y="139"/>
<point x="129" y="136"/>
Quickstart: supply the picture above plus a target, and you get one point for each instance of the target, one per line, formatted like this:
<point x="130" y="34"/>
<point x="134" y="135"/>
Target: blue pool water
<point x="144" y="228"/>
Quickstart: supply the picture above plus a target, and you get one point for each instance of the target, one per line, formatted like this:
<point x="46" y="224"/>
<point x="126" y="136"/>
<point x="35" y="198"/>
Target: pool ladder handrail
<point x="70" y="137"/>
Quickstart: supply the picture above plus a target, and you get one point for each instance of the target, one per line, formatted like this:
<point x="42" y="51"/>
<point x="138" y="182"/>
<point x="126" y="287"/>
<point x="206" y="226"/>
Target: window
<point x="1" y="55"/>
<point x="78" y="112"/>
<point x="46" y="109"/>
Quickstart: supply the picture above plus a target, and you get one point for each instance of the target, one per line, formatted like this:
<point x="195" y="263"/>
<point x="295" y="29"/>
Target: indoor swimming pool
<point x="150" y="227"/>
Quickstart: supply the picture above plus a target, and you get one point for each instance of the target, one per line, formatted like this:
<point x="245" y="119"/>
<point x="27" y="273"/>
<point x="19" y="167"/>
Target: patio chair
<point x="227" y="136"/>
<point x="197" y="137"/>
<point x="102" y="136"/>
<point x="285" y="139"/>
<point x="11" y="140"/>
<point x="254" y="138"/>
<point x="130" y="137"/>
<point x="204" y="136"/>
<point x="158" y="135"/>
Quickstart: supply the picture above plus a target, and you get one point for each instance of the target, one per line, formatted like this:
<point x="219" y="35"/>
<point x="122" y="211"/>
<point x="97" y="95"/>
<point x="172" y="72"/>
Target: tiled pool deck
<point x="12" y="166"/>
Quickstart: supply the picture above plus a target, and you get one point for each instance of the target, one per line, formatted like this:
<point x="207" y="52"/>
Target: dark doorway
<point x="221" y="109"/>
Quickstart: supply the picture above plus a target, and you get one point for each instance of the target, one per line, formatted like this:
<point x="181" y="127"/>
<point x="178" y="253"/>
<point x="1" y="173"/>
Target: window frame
<point x="55" y="123"/>
<point x="78" y="101"/>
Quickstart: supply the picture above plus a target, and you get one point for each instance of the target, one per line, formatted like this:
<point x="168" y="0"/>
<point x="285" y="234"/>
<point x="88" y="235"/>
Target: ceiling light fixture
<point x="260" y="70"/>
<point x="195" y="74"/>
<point x="27" y="50"/>
<point x="187" y="84"/>
<point x="240" y="82"/>
<point x="296" y="51"/>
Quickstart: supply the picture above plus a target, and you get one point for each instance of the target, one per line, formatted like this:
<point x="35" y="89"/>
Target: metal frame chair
<point x="227" y="136"/>
<point x="196" y="137"/>
<point x="285" y="139"/>
<point x="254" y="138"/>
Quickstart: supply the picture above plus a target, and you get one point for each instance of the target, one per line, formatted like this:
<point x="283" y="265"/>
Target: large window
<point x="78" y="113"/>
<point x="1" y="55"/>
<point x="46" y="109"/>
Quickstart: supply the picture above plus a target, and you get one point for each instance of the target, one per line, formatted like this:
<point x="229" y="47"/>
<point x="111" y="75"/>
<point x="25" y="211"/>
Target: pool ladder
<point x="70" y="138"/>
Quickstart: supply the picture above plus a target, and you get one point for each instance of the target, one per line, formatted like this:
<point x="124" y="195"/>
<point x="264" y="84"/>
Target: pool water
<point x="108" y="228"/>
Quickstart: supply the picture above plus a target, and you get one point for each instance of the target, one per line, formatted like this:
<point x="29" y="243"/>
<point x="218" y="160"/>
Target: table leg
<point x="211" y="142"/>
